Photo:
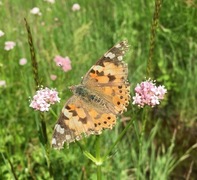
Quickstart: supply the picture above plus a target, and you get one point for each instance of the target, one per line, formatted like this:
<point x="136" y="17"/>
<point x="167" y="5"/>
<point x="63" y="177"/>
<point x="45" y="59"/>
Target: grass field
<point x="161" y="141"/>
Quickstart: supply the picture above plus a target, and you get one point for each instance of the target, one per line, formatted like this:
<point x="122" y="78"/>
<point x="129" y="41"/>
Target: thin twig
<point x="190" y="171"/>
<point x="12" y="169"/>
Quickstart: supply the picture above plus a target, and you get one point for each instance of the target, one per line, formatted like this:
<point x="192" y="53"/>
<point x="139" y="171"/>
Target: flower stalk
<point x="99" y="161"/>
<point x="33" y="56"/>
<point x="152" y="37"/>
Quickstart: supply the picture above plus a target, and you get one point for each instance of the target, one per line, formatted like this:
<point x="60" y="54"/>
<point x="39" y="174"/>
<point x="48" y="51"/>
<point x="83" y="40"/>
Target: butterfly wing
<point x="78" y="119"/>
<point x="108" y="77"/>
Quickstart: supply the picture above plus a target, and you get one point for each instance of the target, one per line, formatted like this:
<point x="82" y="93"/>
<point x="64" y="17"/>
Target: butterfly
<point x="104" y="93"/>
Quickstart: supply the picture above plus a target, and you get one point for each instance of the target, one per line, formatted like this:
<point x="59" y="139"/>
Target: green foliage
<point x="84" y="36"/>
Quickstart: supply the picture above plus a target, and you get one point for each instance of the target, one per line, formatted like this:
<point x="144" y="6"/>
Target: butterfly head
<point x="72" y="88"/>
<point x="78" y="90"/>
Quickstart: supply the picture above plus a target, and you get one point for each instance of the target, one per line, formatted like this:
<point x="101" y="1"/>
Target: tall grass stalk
<point x="42" y="124"/>
<point x="152" y="38"/>
<point x="37" y="81"/>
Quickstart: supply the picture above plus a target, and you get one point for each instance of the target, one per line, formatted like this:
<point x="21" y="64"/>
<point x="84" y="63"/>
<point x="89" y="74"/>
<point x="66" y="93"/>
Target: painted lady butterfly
<point x="103" y="94"/>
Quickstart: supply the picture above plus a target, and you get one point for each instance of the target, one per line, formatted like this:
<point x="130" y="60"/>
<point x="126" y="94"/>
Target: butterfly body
<point x="103" y="94"/>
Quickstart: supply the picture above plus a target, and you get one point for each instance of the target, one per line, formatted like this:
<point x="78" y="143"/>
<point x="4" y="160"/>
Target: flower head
<point x="53" y="77"/>
<point x="76" y="7"/>
<point x="44" y="98"/>
<point x="9" y="45"/>
<point x="65" y="63"/>
<point x="35" y="11"/>
<point x="1" y="33"/>
<point x="147" y="93"/>
<point x="23" y="61"/>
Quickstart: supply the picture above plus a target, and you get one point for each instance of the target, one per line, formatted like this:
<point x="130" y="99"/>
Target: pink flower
<point x="23" y="61"/>
<point x="53" y="77"/>
<point x="76" y="7"/>
<point x="161" y="91"/>
<point x="35" y="11"/>
<point x="65" y="63"/>
<point x="147" y="93"/>
<point x="9" y="45"/>
<point x="137" y="99"/>
<point x="1" y="33"/>
<point x="44" y="98"/>
<point x="2" y="83"/>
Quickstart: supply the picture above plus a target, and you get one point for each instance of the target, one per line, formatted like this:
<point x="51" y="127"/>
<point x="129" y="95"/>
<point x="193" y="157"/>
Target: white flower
<point x="1" y="33"/>
<point x="35" y="11"/>
<point x="76" y="7"/>
<point x="2" y="83"/>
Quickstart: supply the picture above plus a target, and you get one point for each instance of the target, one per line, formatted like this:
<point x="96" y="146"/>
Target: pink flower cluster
<point x="44" y="98"/>
<point x="65" y="63"/>
<point x="147" y="93"/>
<point x="9" y="45"/>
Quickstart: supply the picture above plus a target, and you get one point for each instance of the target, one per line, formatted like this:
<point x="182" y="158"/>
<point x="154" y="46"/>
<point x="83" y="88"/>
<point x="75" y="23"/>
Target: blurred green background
<point x="168" y="149"/>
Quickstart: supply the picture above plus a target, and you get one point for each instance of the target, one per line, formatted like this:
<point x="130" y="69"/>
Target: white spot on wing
<point x="98" y="68"/>
<point x="68" y="137"/>
<point x="53" y="141"/>
<point x="110" y="55"/>
<point x="67" y="113"/>
<point x="59" y="129"/>
<point x="119" y="58"/>
<point x="117" y="45"/>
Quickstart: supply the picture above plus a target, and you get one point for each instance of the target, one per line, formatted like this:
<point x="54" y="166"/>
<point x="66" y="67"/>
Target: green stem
<point x="99" y="177"/>
<point x="44" y="138"/>
<point x="86" y="153"/>
<point x="98" y="150"/>
<point x="54" y="114"/>
<point x="98" y="158"/>
<point x="11" y="165"/>
<point x="118" y="139"/>
<point x="145" y="117"/>
<point x="90" y="156"/>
